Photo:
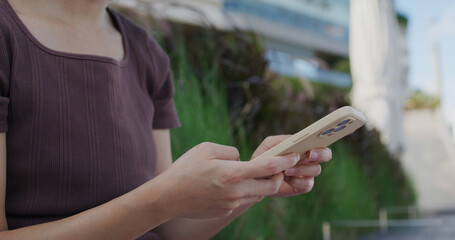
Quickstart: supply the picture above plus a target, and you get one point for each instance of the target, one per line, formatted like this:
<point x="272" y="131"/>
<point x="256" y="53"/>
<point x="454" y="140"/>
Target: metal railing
<point x="384" y="223"/>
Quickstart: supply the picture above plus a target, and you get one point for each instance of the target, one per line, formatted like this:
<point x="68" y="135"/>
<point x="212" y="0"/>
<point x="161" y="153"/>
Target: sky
<point x="420" y="34"/>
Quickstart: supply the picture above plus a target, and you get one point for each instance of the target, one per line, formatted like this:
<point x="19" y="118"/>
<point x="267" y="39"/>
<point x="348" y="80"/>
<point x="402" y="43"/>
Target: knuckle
<point x="275" y="186"/>
<point x="226" y="213"/>
<point x="293" y="158"/>
<point x="235" y="205"/>
<point x="272" y="167"/>
<point x="268" y="142"/>
<point x="234" y="196"/>
<point x="267" y="139"/>
<point x="230" y="205"/>
<point x="234" y="152"/>
<point x="230" y="176"/>
<point x="204" y="146"/>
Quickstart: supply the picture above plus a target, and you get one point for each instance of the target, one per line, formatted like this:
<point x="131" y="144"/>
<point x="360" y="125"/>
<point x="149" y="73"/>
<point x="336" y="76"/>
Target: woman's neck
<point x="77" y="13"/>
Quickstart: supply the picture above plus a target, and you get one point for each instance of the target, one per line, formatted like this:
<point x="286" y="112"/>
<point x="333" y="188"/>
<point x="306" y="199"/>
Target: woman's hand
<point x="210" y="181"/>
<point x="300" y="178"/>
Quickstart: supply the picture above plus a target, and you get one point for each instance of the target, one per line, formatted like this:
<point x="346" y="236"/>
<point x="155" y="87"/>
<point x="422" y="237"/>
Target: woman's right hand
<point x="210" y="181"/>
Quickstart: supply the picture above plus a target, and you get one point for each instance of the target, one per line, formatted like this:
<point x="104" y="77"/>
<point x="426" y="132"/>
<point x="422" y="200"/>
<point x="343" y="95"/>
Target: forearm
<point x="126" y="217"/>
<point x="185" y="228"/>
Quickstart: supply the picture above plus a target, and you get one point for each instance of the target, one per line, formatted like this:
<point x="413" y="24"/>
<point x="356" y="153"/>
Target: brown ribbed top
<point x="79" y="127"/>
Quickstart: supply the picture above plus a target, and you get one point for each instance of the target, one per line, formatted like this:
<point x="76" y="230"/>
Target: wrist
<point x="147" y="203"/>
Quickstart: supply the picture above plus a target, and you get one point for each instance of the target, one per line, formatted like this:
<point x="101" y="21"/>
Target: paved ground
<point x="445" y="231"/>
<point x="430" y="162"/>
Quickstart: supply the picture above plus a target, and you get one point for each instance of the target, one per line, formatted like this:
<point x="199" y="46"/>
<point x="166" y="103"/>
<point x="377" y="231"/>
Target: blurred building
<point x="307" y="38"/>
<point x="378" y="54"/>
<point x="302" y="37"/>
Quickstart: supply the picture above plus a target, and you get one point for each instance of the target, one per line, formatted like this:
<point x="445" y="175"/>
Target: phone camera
<point x="339" y="129"/>
<point x="328" y="131"/>
<point x="343" y="122"/>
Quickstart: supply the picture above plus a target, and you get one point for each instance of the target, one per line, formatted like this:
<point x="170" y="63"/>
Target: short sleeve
<point x="163" y="100"/>
<point x="4" y="84"/>
<point x="162" y="88"/>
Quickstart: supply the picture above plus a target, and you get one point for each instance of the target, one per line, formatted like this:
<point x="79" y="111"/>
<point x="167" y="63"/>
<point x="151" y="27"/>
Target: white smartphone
<point x="320" y="134"/>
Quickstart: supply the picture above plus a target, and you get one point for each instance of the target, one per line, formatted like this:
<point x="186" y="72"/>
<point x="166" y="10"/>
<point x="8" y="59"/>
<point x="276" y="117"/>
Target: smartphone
<point x="320" y="134"/>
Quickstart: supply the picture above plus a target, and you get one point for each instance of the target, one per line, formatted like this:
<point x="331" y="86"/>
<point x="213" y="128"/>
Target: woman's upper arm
<point x="5" y="67"/>
<point x="163" y="147"/>
<point x="3" y="225"/>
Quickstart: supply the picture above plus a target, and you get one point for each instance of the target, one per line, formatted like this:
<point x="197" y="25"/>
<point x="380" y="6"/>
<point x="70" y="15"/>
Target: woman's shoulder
<point x="136" y="33"/>
<point x="138" y="37"/>
<point x="7" y="28"/>
<point x="5" y="32"/>
<point x="4" y="23"/>
<point x="132" y="28"/>
<point x="5" y="18"/>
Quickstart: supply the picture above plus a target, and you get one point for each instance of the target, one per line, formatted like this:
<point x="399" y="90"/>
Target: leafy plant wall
<point x="225" y="94"/>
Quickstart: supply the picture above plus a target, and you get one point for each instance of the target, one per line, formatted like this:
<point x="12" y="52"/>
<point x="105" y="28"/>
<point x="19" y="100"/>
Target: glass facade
<point x="328" y="19"/>
<point x="319" y="24"/>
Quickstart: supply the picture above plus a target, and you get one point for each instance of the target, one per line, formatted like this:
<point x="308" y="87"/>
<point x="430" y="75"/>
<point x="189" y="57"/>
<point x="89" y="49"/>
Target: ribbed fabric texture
<point x="79" y="126"/>
<point x="4" y="74"/>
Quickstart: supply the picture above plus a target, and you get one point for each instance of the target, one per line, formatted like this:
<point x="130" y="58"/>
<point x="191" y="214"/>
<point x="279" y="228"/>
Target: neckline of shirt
<point x="117" y="21"/>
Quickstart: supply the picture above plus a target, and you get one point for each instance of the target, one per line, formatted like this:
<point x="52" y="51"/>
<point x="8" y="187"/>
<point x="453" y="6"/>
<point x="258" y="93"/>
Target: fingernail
<point x="289" y="172"/>
<point x="296" y="157"/>
<point x="313" y="155"/>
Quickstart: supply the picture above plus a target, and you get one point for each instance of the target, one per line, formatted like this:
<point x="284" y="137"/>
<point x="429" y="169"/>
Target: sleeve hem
<point x="4" y="114"/>
<point x="167" y="123"/>
<point x="3" y="127"/>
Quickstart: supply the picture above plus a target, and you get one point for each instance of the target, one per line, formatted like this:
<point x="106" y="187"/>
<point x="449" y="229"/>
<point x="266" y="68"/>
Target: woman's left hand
<point x="299" y="179"/>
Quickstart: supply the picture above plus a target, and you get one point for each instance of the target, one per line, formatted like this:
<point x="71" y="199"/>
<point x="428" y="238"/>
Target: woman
<point x="86" y="101"/>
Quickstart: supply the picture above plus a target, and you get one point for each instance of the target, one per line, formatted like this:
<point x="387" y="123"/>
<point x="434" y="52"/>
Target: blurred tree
<point x="420" y="99"/>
